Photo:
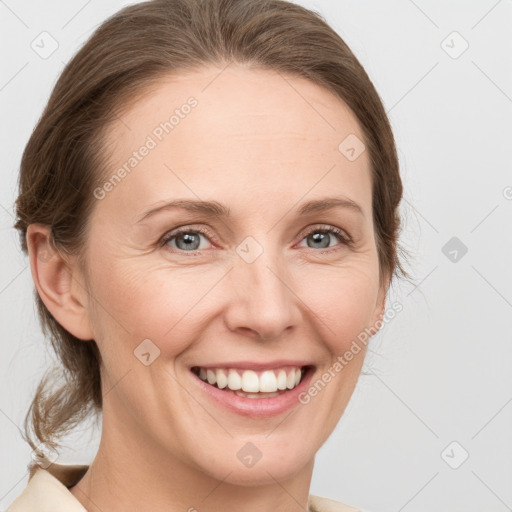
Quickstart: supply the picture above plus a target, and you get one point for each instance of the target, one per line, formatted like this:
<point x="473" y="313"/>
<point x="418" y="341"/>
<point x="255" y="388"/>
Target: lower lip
<point x="256" y="407"/>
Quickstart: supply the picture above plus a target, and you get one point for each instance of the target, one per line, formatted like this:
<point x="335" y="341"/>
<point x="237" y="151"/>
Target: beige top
<point x="48" y="491"/>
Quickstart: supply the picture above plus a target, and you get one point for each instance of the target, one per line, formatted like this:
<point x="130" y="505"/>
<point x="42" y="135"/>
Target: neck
<point x="126" y="475"/>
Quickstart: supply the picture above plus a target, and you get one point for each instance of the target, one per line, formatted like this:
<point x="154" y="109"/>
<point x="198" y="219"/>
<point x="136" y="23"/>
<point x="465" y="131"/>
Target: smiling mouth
<point x="253" y="384"/>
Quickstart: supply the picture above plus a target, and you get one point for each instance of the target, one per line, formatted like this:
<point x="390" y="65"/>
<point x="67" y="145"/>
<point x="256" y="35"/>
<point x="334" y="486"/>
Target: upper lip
<point x="254" y="365"/>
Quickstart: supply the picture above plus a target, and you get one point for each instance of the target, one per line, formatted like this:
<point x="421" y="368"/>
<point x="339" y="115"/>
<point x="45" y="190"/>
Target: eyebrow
<point x="328" y="203"/>
<point x="216" y="209"/>
<point x="211" y="208"/>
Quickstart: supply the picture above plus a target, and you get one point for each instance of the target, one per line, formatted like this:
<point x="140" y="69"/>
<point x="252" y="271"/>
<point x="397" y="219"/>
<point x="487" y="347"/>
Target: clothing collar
<point x="48" y="491"/>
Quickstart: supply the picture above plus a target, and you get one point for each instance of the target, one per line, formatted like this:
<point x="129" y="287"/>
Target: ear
<point x="58" y="282"/>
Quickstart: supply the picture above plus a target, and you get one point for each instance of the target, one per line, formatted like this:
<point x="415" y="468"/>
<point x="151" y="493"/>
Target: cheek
<point x="172" y="306"/>
<point x="342" y="299"/>
<point x="148" y="302"/>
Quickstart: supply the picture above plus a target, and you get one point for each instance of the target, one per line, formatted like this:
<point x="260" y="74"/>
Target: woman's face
<point x="256" y="284"/>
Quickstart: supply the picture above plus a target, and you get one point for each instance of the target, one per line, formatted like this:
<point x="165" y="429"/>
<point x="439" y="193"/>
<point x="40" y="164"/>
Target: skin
<point x="262" y="148"/>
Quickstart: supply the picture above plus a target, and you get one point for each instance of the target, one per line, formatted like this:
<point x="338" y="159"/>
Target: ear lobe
<point x="53" y="276"/>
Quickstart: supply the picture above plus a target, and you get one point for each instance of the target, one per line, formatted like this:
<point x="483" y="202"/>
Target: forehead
<point x="219" y="130"/>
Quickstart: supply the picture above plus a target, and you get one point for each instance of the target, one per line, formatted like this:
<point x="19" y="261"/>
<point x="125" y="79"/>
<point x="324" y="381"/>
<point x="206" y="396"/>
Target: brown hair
<point x="126" y="55"/>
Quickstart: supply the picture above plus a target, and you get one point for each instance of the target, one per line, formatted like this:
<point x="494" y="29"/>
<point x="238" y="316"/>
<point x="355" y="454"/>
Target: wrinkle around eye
<point x="148" y="234"/>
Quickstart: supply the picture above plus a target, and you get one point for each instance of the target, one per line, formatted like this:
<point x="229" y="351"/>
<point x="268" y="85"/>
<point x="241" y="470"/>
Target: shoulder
<point x="320" y="504"/>
<point x="47" y="490"/>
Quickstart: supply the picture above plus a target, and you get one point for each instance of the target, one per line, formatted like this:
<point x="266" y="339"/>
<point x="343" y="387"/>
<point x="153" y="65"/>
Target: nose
<point x="262" y="301"/>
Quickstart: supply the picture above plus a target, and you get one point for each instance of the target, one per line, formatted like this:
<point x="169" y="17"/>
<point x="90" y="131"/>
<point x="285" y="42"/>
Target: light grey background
<point x="441" y="370"/>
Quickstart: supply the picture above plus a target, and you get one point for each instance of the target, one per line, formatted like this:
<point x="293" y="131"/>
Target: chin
<point x="278" y="464"/>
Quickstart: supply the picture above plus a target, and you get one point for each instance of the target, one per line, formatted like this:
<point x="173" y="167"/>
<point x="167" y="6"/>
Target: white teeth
<point x="290" y="381"/>
<point x="234" y="380"/>
<point x="222" y="380"/>
<point x="249" y="381"/>
<point x="268" y="382"/>
<point x="281" y="380"/>
<point x="210" y="375"/>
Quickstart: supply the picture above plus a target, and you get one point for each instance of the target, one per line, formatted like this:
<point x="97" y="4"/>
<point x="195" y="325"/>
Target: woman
<point x="210" y="208"/>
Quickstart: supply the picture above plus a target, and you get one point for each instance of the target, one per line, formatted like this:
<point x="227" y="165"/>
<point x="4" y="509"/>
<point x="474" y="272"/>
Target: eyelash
<point x="342" y="235"/>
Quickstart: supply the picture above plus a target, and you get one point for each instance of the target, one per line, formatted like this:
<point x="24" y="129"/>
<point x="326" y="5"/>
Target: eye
<point x="186" y="240"/>
<point x="189" y="239"/>
<point x="321" y="236"/>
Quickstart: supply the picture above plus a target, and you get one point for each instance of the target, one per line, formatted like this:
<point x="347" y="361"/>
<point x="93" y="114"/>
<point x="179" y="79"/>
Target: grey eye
<point x="319" y="239"/>
<point x="186" y="240"/>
